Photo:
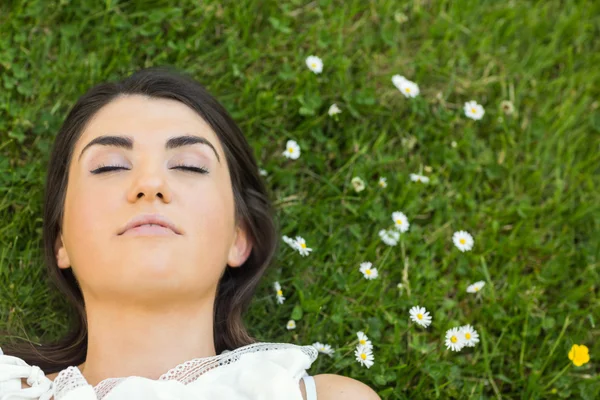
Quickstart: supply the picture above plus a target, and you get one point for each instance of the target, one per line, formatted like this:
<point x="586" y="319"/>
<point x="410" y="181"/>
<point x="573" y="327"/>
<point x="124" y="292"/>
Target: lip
<point x="134" y="226"/>
<point x="148" y="230"/>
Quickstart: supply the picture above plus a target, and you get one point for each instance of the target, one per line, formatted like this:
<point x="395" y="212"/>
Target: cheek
<point x="90" y="223"/>
<point x="211" y="220"/>
<point x="94" y="211"/>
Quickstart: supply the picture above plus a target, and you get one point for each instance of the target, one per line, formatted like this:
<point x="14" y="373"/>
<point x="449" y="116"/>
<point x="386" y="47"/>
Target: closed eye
<point x="103" y="169"/>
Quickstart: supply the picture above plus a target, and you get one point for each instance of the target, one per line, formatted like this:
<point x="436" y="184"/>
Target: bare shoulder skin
<point x="331" y="386"/>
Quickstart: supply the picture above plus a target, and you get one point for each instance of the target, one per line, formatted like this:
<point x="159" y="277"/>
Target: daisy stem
<point x="385" y="256"/>
<point x="405" y="270"/>
<point x="344" y="355"/>
<point x="561" y="373"/>
<point x="489" y="280"/>
<point x="364" y="293"/>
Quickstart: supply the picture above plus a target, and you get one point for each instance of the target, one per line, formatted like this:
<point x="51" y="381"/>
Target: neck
<point x="131" y="340"/>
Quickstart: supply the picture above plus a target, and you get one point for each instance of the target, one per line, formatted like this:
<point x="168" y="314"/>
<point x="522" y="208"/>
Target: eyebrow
<point x="126" y="142"/>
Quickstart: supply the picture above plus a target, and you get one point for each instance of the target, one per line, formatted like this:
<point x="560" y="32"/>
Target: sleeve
<point x="12" y="370"/>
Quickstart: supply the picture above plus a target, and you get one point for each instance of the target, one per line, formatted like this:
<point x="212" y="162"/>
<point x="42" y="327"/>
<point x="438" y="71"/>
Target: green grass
<point x="525" y="186"/>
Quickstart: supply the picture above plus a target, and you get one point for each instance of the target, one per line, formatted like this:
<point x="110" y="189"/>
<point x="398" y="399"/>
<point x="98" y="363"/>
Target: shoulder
<point x="332" y="386"/>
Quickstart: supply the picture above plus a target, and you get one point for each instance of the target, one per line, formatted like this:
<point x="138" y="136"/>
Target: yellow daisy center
<point x="420" y="316"/>
<point x="399" y="222"/>
<point x="303" y="245"/>
<point x="468" y="335"/>
<point x="363" y="341"/>
<point x="473" y="110"/>
<point x="462" y="241"/>
<point x="291" y="150"/>
<point x="313" y="65"/>
<point x="407" y="90"/>
<point x="454" y="339"/>
<point x="476" y="288"/>
<point x="279" y="293"/>
<point x="363" y="356"/>
<point x="368" y="272"/>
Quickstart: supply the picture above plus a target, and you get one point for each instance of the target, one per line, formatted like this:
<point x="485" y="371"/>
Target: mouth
<point x="150" y="224"/>
<point x="149" y="230"/>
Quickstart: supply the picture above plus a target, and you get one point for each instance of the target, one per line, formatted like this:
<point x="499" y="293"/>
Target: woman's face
<point x="110" y="266"/>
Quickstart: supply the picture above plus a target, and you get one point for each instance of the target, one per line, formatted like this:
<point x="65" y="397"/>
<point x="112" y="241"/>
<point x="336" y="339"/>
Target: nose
<point x="150" y="183"/>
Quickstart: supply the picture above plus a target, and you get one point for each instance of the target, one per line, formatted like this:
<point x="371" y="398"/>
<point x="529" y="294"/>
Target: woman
<point x="158" y="228"/>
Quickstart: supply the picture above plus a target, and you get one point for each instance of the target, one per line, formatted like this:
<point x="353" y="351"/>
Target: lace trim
<point x="68" y="379"/>
<point x="105" y="386"/>
<point x="189" y="371"/>
<point x="185" y="372"/>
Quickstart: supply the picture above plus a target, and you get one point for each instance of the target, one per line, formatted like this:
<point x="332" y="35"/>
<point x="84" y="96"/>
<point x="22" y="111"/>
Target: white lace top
<point x="265" y="371"/>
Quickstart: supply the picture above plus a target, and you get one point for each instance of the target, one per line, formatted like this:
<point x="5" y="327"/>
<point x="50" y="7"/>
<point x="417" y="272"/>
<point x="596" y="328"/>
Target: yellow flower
<point x="579" y="354"/>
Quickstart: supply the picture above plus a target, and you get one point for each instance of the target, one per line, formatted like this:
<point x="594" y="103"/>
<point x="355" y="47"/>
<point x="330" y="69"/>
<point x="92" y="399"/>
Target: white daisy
<point x="474" y="110"/>
<point x="315" y="64"/>
<point x="420" y="316"/>
<point x="400" y="221"/>
<point x="382" y="182"/>
<point x="419" y="178"/>
<point x="364" y="355"/>
<point x="323" y="348"/>
<point x="334" y="109"/>
<point x="359" y="184"/>
<point x="292" y="150"/>
<point x="279" y="293"/>
<point x="408" y="88"/>
<point x="454" y="339"/>
<point x="453" y="144"/>
<point x="291" y="325"/>
<point x="470" y="335"/>
<point x="291" y="242"/>
<point x="368" y="271"/>
<point x="389" y="237"/>
<point x="397" y="80"/>
<point x="363" y="340"/>
<point x="476" y="287"/>
<point x="263" y="172"/>
<point x="301" y="246"/>
<point x="463" y="240"/>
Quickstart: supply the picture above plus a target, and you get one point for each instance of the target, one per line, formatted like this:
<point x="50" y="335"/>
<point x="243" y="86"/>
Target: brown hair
<point x="253" y="210"/>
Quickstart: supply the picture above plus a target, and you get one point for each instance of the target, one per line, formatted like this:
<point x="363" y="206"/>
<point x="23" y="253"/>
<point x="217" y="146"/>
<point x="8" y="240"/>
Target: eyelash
<point x="103" y="169"/>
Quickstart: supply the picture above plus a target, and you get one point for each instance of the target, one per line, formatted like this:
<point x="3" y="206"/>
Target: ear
<point x="240" y="248"/>
<point x="62" y="258"/>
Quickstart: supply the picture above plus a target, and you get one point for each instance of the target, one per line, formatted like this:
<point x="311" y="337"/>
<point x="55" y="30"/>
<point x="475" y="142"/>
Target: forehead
<point x="149" y="121"/>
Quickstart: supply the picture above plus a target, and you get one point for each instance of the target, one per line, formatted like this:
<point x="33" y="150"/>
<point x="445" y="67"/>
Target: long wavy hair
<point x="253" y="209"/>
